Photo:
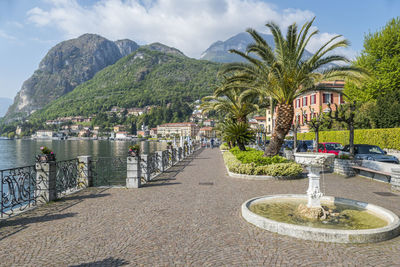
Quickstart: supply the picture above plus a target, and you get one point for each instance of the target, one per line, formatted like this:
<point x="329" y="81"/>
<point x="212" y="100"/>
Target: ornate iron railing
<point x="67" y="176"/>
<point x="165" y="159"/>
<point x="17" y="190"/>
<point x="150" y="166"/>
<point x="109" y="171"/>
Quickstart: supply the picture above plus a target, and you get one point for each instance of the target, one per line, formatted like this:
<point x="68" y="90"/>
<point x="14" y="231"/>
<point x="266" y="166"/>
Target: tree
<point x="232" y="101"/>
<point x="237" y="133"/>
<point x="346" y="113"/>
<point x="286" y="73"/>
<point x="381" y="57"/>
<point x="317" y="121"/>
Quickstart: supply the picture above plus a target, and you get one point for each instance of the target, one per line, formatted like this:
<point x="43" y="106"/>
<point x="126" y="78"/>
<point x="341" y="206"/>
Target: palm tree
<point x="284" y="73"/>
<point x="232" y="101"/>
<point x="237" y="133"/>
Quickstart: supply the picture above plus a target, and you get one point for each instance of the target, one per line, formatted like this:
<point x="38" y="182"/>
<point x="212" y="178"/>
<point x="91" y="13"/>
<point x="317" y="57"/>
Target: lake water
<point x="19" y="153"/>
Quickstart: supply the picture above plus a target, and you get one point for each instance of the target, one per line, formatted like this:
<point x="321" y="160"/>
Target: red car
<point x="330" y="147"/>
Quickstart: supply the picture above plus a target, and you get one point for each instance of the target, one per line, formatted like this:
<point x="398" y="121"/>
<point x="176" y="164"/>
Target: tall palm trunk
<point x="284" y="119"/>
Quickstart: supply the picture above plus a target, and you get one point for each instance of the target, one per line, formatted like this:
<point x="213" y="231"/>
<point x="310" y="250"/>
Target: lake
<point x="19" y="153"/>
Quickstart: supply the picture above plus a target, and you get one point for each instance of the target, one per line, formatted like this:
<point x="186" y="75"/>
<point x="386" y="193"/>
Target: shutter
<point x="306" y="100"/>
<point x="323" y="98"/>
<point x="331" y="99"/>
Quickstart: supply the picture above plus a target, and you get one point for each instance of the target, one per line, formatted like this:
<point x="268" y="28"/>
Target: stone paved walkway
<point x="190" y="217"/>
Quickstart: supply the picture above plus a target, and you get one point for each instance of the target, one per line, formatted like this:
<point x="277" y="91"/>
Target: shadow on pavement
<point x="106" y="262"/>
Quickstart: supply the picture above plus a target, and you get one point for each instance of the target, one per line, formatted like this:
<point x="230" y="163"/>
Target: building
<point x="76" y="127"/>
<point x="209" y="122"/>
<point x="136" y="111"/>
<point x="121" y="135"/>
<point x="153" y="132"/>
<point x="261" y="121"/>
<point x="207" y="132"/>
<point x="44" y="134"/>
<point x="179" y="128"/>
<point x="119" y="128"/>
<point x="308" y="105"/>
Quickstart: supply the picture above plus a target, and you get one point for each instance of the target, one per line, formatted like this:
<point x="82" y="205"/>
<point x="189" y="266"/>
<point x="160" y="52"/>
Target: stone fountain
<point x="338" y="220"/>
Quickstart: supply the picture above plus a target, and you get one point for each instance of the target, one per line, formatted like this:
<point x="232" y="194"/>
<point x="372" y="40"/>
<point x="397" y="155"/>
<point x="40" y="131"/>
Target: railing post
<point x="133" y="172"/>
<point x="175" y="155"/>
<point x="146" y="166"/>
<point x="46" y="173"/>
<point x="85" y="178"/>
<point x="179" y="153"/>
<point x="170" y="163"/>
<point x="395" y="179"/>
<point x="160" y="162"/>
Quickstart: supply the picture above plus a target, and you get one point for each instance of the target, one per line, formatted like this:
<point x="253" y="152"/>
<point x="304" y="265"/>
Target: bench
<point x="387" y="174"/>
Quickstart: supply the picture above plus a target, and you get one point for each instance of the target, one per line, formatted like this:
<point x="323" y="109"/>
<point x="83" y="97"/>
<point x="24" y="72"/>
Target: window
<point x="313" y="99"/>
<point x="304" y="117"/>
<point x="297" y="103"/>
<point x="327" y="98"/>
<point x="304" y="101"/>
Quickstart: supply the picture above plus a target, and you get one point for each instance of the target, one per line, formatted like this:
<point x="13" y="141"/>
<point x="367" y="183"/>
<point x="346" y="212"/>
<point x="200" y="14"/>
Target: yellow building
<point x="180" y="128"/>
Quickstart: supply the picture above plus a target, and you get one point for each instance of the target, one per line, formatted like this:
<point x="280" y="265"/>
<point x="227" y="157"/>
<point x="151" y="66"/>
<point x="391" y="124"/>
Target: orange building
<point x="308" y="105"/>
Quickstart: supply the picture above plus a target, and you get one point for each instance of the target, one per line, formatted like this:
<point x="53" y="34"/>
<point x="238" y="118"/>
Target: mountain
<point x="154" y="74"/>
<point x="67" y="65"/>
<point x="219" y="51"/>
<point x="4" y="104"/>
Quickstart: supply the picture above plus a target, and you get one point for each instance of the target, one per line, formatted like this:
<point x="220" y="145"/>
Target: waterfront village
<point x="199" y="126"/>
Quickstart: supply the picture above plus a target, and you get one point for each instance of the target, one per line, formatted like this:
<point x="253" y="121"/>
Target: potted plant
<point x="134" y="150"/>
<point x="47" y="155"/>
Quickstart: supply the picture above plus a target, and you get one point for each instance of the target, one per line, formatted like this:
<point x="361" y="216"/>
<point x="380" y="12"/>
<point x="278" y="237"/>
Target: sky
<point x="30" y="28"/>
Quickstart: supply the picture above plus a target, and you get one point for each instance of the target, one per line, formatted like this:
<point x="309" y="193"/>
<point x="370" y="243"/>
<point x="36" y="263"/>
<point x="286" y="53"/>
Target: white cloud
<point x="189" y="25"/>
<point x="5" y="35"/>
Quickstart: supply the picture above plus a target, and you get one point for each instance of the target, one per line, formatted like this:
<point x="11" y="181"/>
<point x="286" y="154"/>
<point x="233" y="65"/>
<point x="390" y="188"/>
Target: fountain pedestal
<point x="315" y="163"/>
<point x="313" y="192"/>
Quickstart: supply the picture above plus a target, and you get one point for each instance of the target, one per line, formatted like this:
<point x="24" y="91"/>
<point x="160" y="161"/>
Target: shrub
<point x="252" y="155"/>
<point x="277" y="169"/>
<point x="224" y="146"/>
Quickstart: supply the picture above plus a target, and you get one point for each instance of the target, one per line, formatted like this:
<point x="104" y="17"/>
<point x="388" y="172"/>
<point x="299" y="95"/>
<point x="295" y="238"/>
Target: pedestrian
<point x="212" y="143"/>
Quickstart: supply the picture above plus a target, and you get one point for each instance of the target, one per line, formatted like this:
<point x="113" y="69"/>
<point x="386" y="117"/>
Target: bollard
<point x="85" y="178"/>
<point x="133" y="172"/>
<point x="46" y="173"/>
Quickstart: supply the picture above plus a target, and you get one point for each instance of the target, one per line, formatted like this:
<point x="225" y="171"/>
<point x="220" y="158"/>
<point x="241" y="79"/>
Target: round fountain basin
<point x="384" y="231"/>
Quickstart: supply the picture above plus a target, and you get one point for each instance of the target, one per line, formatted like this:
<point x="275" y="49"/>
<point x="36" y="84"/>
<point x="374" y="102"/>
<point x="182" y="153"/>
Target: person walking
<point x="212" y="143"/>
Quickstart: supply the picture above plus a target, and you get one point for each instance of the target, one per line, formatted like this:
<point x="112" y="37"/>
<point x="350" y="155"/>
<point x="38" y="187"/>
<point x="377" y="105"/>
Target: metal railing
<point x="66" y="177"/>
<point x="17" y="190"/>
<point x="107" y="171"/>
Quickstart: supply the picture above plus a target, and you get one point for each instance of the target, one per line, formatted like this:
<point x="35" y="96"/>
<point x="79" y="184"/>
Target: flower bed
<point x="283" y="169"/>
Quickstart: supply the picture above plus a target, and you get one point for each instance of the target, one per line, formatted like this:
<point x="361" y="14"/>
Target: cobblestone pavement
<point x="189" y="217"/>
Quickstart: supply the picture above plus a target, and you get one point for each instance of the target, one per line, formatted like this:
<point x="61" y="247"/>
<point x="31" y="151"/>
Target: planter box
<point x="46" y="158"/>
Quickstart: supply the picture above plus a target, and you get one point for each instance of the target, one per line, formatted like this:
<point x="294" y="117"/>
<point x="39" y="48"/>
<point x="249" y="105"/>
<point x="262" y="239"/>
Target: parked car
<point x="305" y="143"/>
<point x="370" y="152"/>
<point x="330" y="147"/>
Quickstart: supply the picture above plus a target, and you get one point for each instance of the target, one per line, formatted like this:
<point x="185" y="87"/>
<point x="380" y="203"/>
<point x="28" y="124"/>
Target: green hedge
<point x="384" y="138"/>
<point x="278" y="170"/>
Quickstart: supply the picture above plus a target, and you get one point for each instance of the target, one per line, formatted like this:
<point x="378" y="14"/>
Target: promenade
<point x="189" y="217"/>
